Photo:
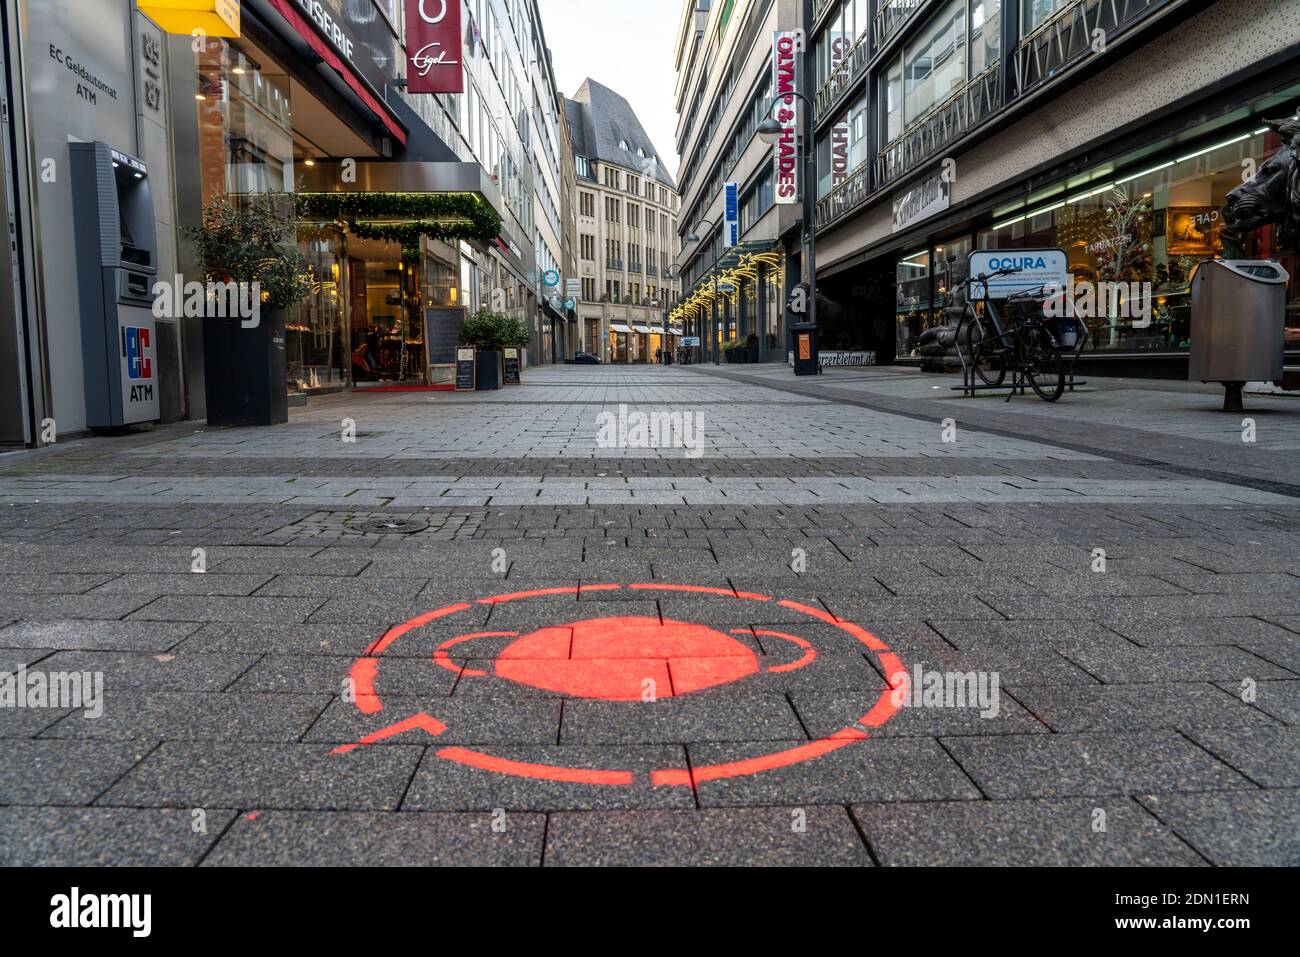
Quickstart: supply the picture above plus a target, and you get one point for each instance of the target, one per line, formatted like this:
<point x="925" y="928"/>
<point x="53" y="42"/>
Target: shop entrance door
<point x="388" y="343"/>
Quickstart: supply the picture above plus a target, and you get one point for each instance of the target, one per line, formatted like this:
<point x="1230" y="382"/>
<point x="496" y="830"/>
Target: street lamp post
<point x="771" y="131"/>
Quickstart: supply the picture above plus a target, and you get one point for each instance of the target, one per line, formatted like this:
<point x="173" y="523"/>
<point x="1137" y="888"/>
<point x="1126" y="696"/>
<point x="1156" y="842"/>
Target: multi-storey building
<point x="627" y="225"/>
<point x="308" y="97"/>
<point x="730" y="292"/>
<point x="945" y="126"/>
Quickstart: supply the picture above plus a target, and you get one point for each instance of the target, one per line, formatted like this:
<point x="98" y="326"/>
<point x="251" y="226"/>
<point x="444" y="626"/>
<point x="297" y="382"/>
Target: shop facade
<point x="958" y="125"/>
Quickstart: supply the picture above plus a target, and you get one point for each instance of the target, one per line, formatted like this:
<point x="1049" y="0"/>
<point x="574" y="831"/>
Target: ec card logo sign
<point x="731" y="227"/>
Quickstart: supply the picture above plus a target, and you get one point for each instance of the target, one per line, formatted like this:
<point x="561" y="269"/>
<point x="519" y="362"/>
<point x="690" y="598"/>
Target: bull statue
<point x="1272" y="196"/>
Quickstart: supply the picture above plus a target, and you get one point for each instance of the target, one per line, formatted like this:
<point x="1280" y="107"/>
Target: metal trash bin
<point x="1238" y="315"/>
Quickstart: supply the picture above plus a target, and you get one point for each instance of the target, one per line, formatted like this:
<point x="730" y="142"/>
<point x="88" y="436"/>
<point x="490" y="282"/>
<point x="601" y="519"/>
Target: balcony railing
<point x="634" y="267"/>
<point x="890" y="17"/>
<point x="845" y="197"/>
<point x="965" y="109"/>
<point x="1071" y="34"/>
<point x="845" y="75"/>
<point x="614" y="264"/>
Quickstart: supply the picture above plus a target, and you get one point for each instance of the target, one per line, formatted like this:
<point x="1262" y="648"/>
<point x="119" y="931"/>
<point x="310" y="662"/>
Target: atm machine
<point x="117" y="262"/>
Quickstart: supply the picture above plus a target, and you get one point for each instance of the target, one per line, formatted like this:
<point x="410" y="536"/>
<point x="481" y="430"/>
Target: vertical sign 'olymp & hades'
<point x="786" y="47"/>
<point x="433" y="44"/>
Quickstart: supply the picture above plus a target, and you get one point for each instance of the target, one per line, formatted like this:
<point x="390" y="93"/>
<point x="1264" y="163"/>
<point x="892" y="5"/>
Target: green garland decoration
<point x="445" y="216"/>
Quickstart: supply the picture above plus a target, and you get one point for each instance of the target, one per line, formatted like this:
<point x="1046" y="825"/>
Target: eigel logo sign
<point x="433" y="39"/>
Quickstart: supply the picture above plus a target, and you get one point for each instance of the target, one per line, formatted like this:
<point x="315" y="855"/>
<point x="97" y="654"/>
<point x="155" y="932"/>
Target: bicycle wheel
<point x="1044" y="366"/>
<point x="989" y="363"/>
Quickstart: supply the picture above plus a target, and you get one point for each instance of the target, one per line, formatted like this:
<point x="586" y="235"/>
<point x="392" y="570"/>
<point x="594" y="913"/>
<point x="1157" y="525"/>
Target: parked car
<point x="586" y="359"/>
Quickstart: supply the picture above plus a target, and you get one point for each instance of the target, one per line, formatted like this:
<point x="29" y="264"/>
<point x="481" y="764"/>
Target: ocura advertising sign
<point x="786" y="47"/>
<point x="433" y="47"/>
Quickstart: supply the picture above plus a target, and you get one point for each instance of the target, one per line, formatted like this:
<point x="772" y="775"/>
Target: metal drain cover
<point x="390" y="526"/>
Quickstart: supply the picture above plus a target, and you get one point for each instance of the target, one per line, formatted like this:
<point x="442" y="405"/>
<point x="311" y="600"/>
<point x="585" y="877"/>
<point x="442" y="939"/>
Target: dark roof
<point x="603" y="123"/>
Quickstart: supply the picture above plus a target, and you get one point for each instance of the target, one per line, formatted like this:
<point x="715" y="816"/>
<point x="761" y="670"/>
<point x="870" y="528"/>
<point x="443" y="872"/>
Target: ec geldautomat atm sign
<point x="215" y="18"/>
<point x="433" y="43"/>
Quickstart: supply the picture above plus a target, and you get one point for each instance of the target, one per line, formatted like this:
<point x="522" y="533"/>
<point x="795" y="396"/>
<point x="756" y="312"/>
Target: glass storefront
<point x="1148" y="227"/>
<point x="1152" y="226"/>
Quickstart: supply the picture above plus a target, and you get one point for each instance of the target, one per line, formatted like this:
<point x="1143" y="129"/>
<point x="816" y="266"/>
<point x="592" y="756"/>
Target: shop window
<point x="914" y="299"/>
<point x="1151" y="228"/>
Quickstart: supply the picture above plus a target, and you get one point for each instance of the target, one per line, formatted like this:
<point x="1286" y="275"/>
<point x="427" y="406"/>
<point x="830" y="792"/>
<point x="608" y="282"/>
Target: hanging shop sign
<point x="925" y="198"/>
<point x="841" y="43"/>
<point x="786" y="47"/>
<point x="214" y="18"/>
<point x="731" y="225"/>
<point x="433" y="32"/>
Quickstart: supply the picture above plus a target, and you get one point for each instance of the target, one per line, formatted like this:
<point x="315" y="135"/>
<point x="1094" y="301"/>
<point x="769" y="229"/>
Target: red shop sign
<point x="433" y="47"/>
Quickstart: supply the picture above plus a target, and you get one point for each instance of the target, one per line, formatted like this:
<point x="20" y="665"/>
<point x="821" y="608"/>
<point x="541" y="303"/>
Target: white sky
<point x="627" y="46"/>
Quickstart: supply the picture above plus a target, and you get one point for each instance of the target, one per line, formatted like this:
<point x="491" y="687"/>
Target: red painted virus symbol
<point x="628" y="658"/>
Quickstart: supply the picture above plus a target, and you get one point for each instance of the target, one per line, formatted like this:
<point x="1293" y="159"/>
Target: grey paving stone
<point x="106" y="837"/>
<point x="881" y="769"/>
<point x="183" y="584"/>
<point x="398" y="590"/>
<point x="264" y="776"/>
<point x="1250" y="582"/>
<point x="137" y="671"/>
<point x="346" y="640"/>
<point x="47" y="607"/>
<point x="381" y="614"/>
<point x="1055" y="833"/>
<point x="290" y="563"/>
<point x="1050" y="634"/>
<point x="11" y="659"/>
<point x="195" y="716"/>
<point x="55" y="633"/>
<point x="1235" y="828"/>
<point x="1268" y="756"/>
<point x="443" y="784"/>
<point x="824" y="714"/>
<point x="51" y="584"/>
<point x="1173" y="606"/>
<point x="1131" y="707"/>
<point x="239" y="609"/>
<point x="695" y="718"/>
<point x="1120" y="665"/>
<point x="1061" y="765"/>
<point x="29" y="722"/>
<point x="1278" y="699"/>
<point x="62" y="772"/>
<point x="726" y="837"/>
<point x="1202" y="631"/>
<point x="298" y="674"/>
<point x="380" y="839"/>
<point x="481" y="719"/>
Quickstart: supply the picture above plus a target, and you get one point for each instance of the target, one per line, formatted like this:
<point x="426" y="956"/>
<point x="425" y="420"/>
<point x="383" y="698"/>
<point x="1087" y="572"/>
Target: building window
<point x="588" y="244"/>
<point x="1034" y="12"/>
<point x="587" y="204"/>
<point x="612" y="210"/>
<point x="589" y="290"/>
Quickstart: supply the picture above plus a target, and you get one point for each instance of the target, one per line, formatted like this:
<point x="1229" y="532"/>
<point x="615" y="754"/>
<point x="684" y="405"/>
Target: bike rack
<point x="1019" y="381"/>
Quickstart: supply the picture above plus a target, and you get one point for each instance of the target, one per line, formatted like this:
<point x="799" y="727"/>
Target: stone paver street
<point x="480" y="633"/>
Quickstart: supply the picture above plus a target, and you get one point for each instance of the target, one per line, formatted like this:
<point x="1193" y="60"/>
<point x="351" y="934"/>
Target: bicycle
<point x="1026" y="347"/>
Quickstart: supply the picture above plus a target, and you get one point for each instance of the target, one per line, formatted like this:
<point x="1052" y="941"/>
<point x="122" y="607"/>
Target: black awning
<point x="552" y="310"/>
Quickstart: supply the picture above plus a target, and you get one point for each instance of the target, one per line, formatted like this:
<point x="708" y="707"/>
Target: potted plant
<point x="751" y="348"/>
<point x="490" y="333"/>
<point x="250" y="250"/>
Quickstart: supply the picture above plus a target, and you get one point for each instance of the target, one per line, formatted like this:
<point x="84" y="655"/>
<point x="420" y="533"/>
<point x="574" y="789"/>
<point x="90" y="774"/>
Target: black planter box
<point x="488" y="371"/>
<point x="246" y="371"/>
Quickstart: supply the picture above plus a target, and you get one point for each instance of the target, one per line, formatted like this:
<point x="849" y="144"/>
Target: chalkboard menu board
<point x="442" y="332"/>
<point x="512" y="366"/>
<point x="465" y="370"/>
